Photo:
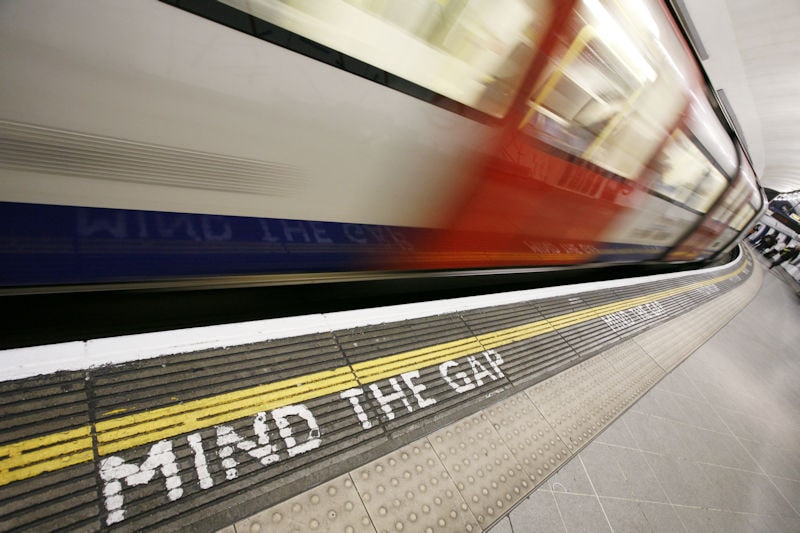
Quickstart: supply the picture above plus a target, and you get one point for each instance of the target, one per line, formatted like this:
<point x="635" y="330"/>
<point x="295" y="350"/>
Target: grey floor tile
<point x="639" y="517"/>
<point x="502" y="526"/>
<point x="657" y="435"/>
<point x="774" y="460"/>
<point x="684" y="482"/>
<point x="697" y="519"/>
<point x="746" y="492"/>
<point x="581" y="513"/>
<point x="780" y="523"/>
<point x="698" y="412"/>
<point x="538" y="512"/>
<point x="746" y="425"/>
<point x="617" y="434"/>
<point x="572" y="479"/>
<point x="790" y="490"/>
<point x="718" y="449"/>
<point x="678" y="382"/>
<point x="734" y="387"/>
<point x="737" y="522"/>
<point x="621" y="473"/>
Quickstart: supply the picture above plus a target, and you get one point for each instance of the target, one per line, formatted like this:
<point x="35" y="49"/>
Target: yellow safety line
<point x="150" y="426"/>
<point x="31" y="457"/>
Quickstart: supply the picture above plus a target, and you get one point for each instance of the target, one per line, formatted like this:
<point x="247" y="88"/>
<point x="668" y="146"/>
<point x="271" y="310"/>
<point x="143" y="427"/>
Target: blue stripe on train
<point x="46" y="244"/>
<point x="614" y="252"/>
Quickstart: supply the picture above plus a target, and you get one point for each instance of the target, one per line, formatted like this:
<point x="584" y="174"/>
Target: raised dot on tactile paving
<point x="315" y="499"/>
<point x="255" y="527"/>
<point x="277" y="517"/>
<point x="297" y="508"/>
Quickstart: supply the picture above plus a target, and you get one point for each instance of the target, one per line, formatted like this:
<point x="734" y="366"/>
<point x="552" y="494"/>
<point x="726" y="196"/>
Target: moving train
<point x="288" y="141"/>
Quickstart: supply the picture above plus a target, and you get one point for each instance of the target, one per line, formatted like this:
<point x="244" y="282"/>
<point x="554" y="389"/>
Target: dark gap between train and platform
<point x="52" y="317"/>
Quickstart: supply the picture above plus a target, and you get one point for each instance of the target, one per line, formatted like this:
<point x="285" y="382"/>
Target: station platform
<point x="713" y="447"/>
<point x="438" y="417"/>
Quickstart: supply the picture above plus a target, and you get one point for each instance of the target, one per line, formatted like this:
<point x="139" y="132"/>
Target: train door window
<point x="726" y="210"/>
<point x="475" y="52"/>
<point x="743" y="216"/>
<point x="684" y="174"/>
<point x="708" y="132"/>
<point x="611" y="94"/>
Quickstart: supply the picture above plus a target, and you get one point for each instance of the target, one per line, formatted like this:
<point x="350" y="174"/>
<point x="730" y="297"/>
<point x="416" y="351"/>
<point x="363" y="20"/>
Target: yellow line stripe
<point x="376" y="370"/>
<point x="55" y="451"/>
<point x="141" y="428"/>
<point x="29" y="458"/>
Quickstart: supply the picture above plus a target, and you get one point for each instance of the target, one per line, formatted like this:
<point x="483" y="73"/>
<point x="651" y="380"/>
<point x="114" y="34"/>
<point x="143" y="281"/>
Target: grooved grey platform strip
<point x="528" y="360"/>
<point x="70" y="494"/>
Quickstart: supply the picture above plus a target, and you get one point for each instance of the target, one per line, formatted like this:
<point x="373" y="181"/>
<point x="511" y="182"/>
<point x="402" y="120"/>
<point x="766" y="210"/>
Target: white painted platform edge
<point x="21" y="363"/>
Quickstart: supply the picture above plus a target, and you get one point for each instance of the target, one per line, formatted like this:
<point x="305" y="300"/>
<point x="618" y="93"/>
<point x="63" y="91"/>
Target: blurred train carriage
<point x="144" y="143"/>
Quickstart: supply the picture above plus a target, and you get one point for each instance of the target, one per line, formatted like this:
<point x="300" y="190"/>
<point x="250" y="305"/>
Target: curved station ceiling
<point x="751" y="52"/>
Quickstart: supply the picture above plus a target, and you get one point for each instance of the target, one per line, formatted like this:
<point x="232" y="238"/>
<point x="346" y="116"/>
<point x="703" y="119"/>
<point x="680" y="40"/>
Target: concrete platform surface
<point x="712" y="448"/>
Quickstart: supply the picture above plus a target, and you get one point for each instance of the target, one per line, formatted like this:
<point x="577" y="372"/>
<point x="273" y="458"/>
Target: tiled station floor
<point x="714" y="447"/>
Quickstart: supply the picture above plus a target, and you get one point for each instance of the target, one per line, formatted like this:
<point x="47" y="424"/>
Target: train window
<point x="743" y="216"/>
<point x="707" y="129"/>
<point x="611" y="94"/>
<point x="726" y="210"/>
<point x="475" y="52"/>
<point x="685" y="175"/>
